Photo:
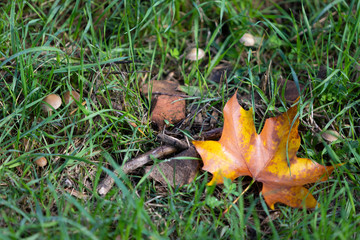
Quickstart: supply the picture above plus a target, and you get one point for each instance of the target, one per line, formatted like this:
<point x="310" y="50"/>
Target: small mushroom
<point x="53" y="100"/>
<point x="330" y="135"/>
<point x="195" y="54"/>
<point x="248" y="40"/>
<point x="41" y="162"/>
<point x="69" y="97"/>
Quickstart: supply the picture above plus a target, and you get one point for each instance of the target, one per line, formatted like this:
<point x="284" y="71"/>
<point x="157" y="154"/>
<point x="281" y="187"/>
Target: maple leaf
<point x="268" y="157"/>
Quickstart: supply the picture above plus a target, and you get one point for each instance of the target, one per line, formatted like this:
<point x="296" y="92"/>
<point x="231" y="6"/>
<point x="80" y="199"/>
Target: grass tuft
<point x="106" y="50"/>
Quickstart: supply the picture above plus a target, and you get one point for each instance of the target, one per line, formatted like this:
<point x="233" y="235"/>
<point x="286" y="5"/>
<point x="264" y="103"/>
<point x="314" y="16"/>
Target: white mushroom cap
<point x="248" y="40"/>
<point x="195" y="54"/>
<point x="331" y="135"/>
<point x="53" y="100"/>
<point x="69" y="97"/>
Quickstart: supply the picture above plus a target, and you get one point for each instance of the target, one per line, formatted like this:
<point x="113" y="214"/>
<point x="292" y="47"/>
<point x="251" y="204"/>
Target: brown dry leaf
<point x="168" y="103"/>
<point x="177" y="171"/>
<point x="170" y="108"/>
<point x="161" y="87"/>
<point x="220" y="72"/>
<point x="291" y="91"/>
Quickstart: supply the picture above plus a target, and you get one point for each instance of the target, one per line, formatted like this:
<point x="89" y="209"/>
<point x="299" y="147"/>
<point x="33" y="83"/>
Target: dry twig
<point x="106" y="184"/>
<point x="169" y="140"/>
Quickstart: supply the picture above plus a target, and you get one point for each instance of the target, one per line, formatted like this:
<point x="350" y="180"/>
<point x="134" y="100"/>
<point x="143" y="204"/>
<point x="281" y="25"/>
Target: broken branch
<point x="108" y="182"/>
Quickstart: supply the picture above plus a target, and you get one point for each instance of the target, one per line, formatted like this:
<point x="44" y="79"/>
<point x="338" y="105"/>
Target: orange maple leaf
<point x="268" y="157"/>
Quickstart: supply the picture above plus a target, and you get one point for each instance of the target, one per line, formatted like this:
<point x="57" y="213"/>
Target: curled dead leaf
<point x="167" y="102"/>
<point x="170" y="108"/>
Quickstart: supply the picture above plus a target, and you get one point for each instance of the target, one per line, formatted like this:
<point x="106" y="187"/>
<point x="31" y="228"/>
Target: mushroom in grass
<point x="331" y="135"/>
<point x="51" y="102"/>
<point x="41" y="162"/>
<point x="70" y="96"/>
<point x="195" y="54"/>
<point x="247" y="40"/>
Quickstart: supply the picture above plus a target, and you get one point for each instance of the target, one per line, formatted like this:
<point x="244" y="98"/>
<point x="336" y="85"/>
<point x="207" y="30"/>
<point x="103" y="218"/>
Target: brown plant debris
<point x="168" y="103"/>
<point x="108" y="182"/>
<point x="178" y="171"/>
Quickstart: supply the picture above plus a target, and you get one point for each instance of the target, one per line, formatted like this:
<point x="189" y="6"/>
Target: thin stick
<point x="237" y="199"/>
<point x="169" y="140"/>
<point x="72" y="112"/>
<point x="213" y="134"/>
<point x="108" y="182"/>
<point x="105" y="185"/>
